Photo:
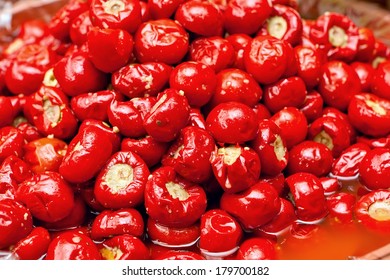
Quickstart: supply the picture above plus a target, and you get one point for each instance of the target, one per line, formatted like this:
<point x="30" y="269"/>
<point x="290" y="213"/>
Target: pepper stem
<point x="277" y="27"/>
<point x="338" y="37"/>
<point x="114" y="7"/>
<point x="380" y="210"/>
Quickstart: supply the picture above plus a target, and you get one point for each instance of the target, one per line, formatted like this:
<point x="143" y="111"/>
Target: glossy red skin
<point x="282" y="220"/>
<point x="138" y="80"/>
<point x="293" y="125"/>
<point x="72" y="245"/>
<point x="312" y="106"/>
<point x="197" y="80"/>
<point x="117" y="222"/>
<point x="131" y="247"/>
<point x="124" y="116"/>
<point x="266" y="58"/>
<point x="76" y="74"/>
<point x="347" y="164"/>
<point x="201" y="18"/>
<point x="337" y="131"/>
<point x="374" y="169"/>
<point x="161" y="40"/>
<point x="232" y="116"/>
<point x="167" y="209"/>
<point x="129" y="195"/>
<point x="303" y="231"/>
<point x="218" y="225"/>
<point x="103" y="127"/>
<point x="261" y="111"/>
<point x="26" y="71"/>
<point x="338" y="84"/>
<point x="238" y="86"/>
<point x="167" y="116"/>
<point x="16" y="222"/>
<point x="47" y="195"/>
<point x="253" y="207"/>
<point x="144" y="104"/>
<point x="257" y="249"/>
<point x="365" y="119"/>
<point x="90" y="148"/>
<point x="79" y="28"/>
<point x="87" y="193"/>
<point x="48" y="109"/>
<point x="308" y="194"/>
<point x="293" y="20"/>
<point x="362" y="210"/>
<point x="129" y="18"/>
<point x="180" y="255"/>
<point x="335" y="113"/>
<point x="319" y="33"/>
<point x="11" y="142"/>
<point x="365" y="71"/>
<point x="239" y="41"/>
<point x="190" y="153"/>
<point x="244" y="16"/>
<point x="264" y="146"/>
<point x="7" y="111"/>
<point x="309" y="62"/>
<point x="94" y="105"/>
<point x="287" y="92"/>
<point x="150" y="150"/>
<point x="60" y="23"/>
<point x="33" y="30"/>
<point x="44" y="154"/>
<point x="213" y="51"/>
<point x="196" y="118"/>
<point x="379" y="83"/>
<point x="341" y="207"/>
<point x="366" y="45"/>
<point x="163" y="9"/>
<point x="171" y="236"/>
<point x="330" y="185"/>
<point x="238" y="175"/>
<point x="109" y="49"/>
<point x="310" y="157"/>
<point x="34" y="245"/>
<point x="276" y="181"/>
<point x="29" y="131"/>
<point x="382" y="142"/>
<point x="380" y="54"/>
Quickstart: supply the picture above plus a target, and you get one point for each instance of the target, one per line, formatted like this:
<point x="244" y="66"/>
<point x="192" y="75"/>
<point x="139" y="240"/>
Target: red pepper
<point x="337" y="34"/>
<point x="308" y="196"/>
<point x="253" y="207"/>
<point x="201" y="18"/>
<point x="172" y="200"/>
<point x="15" y="223"/>
<point x="29" y="131"/>
<point x="172" y="236"/>
<point x="189" y="155"/>
<point x="34" y="246"/>
<point x="309" y="62"/>
<point x="374" y="169"/>
<point x="121" y="181"/>
<point x="47" y="195"/>
<point x="382" y="142"/>
<point x="94" y="105"/>
<point x="72" y="245"/>
<point x="197" y="80"/>
<point x="116" y="14"/>
<point x="337" y="114"/>
<point x="379" y="83"/>
<point x="244" y="16"/>
<point x="284" y="23"/>
<point x="11" y="142"/>
<point x="366" y="45"/>
<point x="123" y="247"/>
<point x="239" y="41"/>
<point x="217" y="224"/>
<point x="372" y="210"/>
<point x="341" y="207"/>
<point x="236" y="168"/>
<point x="310" y="157"/>
<point x="48" y="109"/>
<point x="138" y="80"/>
<point x="312" y="106"/>
<point x="168" y="115"/>
<point x="196" y="118"/>
<point x="347" y="164"/>
<point x="257" y="249"/>
<point x="370" y="114"/>
<point x="109" y="49"/>
<point x="109" y="223"/>
<point x="365" y="72"/>
<point x="7" y="111"/>
<point x="162" y="40"/>
<point x="79" y="28"/>
<point x="163" y="9"/>
<point x="330" y="185"/>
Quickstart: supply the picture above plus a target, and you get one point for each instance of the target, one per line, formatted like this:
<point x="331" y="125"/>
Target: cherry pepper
<point x="123" y="247"/>
<point x="337" y="34"/>
<point x="90" y="149"/>
<point x="33" y="246"/>
<point x="172" y="200"/>
<point x="121" y="181"/>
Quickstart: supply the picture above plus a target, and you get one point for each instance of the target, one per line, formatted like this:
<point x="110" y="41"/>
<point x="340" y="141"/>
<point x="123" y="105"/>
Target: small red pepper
<point x="374" y="169"/>
<point x="124" y="247"/>
<point x="341" y="207"/>
<point x="34" y="246"/>
<point x="257" y="249"/>
<point x="11" y="142"/>
<point x="347" y="164"/>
